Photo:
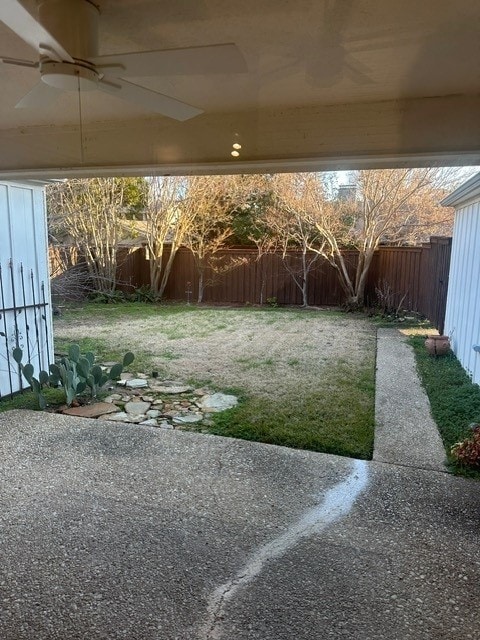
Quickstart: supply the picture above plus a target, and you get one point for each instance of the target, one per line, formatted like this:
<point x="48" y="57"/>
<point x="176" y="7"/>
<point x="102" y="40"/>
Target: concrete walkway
<point x="405" y="432"/>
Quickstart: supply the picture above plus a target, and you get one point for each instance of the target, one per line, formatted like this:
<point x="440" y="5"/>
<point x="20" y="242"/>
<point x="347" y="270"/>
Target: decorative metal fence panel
<point x="25" y="309"/>
<point x="23" y="323"/>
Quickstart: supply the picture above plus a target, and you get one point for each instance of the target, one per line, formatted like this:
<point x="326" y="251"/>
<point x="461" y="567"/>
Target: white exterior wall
<point x="462" y="320"/>
<point x="23" y="242"/>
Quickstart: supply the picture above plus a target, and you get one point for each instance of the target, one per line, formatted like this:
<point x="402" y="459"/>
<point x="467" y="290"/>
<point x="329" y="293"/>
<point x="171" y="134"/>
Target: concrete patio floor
<point x="116" y="531"/>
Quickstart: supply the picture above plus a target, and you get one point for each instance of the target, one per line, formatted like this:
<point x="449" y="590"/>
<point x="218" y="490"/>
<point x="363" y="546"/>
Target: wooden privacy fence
<point x="434" y="272"/>
<point x="251" y="280"/>
<point x="416" y="278"/>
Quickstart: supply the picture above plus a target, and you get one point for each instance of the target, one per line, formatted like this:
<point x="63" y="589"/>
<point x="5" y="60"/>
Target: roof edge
<point x="319" y="163"/>
<point x="465" y="191"/>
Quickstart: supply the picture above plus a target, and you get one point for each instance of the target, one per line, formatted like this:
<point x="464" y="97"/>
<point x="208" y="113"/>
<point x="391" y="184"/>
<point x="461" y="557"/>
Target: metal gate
<point x="23" y="323"/>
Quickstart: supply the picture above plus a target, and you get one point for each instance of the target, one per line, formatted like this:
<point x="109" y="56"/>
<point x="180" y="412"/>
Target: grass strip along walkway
<point x="454" y="399"/>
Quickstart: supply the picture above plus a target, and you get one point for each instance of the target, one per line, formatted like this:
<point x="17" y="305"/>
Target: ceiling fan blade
<point x="357" y="71"/>
<point x="148" y="99"/>
<point x="217" y="58"/>
<point x="19" y="62"/>
<point x="40" y="96"/>
<point x="21" y="21"/>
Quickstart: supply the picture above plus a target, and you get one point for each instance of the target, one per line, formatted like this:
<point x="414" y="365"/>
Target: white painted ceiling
<point x="330" y="83"/>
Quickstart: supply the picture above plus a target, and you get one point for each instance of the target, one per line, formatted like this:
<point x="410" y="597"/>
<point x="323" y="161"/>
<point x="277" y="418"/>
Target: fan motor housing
<point x="68" y="76"/>
<point x="74" y="24"/>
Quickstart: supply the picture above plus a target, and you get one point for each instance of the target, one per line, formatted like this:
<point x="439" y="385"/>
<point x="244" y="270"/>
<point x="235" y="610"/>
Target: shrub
<point x="145" y="294"/>
<point x="108" y="297"/>
<point x="389" y="303"/>
<point x="467" y="453"/>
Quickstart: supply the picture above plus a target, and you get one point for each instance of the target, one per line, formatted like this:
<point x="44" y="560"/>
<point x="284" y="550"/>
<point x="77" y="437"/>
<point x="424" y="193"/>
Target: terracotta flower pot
<point x="437" y="345"/>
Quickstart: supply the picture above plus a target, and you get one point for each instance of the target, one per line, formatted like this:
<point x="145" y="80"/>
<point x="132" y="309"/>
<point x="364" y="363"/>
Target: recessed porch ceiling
<point x="329" y="84"/>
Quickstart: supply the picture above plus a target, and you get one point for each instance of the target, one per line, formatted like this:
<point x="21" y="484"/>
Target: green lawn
<point x="454" y="399"/>
<point x="292" y="390"/>
<point x="305" y="378"/>
<point x="338" y="418"/>
<point x="27" y="400"/>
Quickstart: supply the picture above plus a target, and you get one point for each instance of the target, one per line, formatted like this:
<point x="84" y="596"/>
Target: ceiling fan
<point x="65" y="34"/>
<point x="328" y="59"/>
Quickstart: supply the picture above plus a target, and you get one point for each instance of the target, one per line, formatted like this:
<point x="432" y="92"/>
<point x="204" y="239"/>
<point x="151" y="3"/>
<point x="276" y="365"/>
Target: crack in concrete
<point x="336" y="503"/>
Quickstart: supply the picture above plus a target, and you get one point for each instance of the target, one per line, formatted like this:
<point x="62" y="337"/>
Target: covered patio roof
<point x="331" y="84"/>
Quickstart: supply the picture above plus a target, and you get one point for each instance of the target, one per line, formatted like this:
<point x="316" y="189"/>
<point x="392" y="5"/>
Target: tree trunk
<point x="263" y="285"/>
<point x="361" y="276"/>
<point x="300" y="276"/>
<point x="166" y="271"/>
<point x="305" y="271"/>
<point x="201" y="287"/>
<point x="305" y="293"/>
<point x="263" y="280"/>
<point x="155" y="273"/>
<point x="354" y="303"/>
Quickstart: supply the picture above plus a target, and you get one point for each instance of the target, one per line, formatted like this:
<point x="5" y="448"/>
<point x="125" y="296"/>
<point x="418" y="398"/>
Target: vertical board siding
<point x="462" y="321"/>
<point x="25" y="282"/>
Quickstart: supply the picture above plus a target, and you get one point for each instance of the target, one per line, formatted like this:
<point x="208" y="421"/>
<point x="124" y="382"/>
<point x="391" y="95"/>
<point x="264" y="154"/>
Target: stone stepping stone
<point x="136" y="383"/>
<point x="113" y="397"/>
<point x="170" y="386"/>
<point x="137" y="408"/>
<point x="91" y="410"/>
<point x="121" y="416"/>
<point x="172" y="390"/>
<point x="188" y="419"/>
<point x="217" y="402"/>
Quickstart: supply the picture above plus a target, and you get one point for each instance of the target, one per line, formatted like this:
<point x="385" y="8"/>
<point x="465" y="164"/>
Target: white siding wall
<point x="462" y="320"/>
<point x="23" y="242"/>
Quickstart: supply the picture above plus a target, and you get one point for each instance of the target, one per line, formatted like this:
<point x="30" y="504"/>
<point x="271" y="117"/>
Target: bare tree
<point x="390" y="205"/>
<point x="290" y="229"/>
<point x="266" y="245"/>
<point x="250" y="222"/>
<point x="211" y="201"/>
<point x="88" y="213"/>
<point x="167" y="218"/>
